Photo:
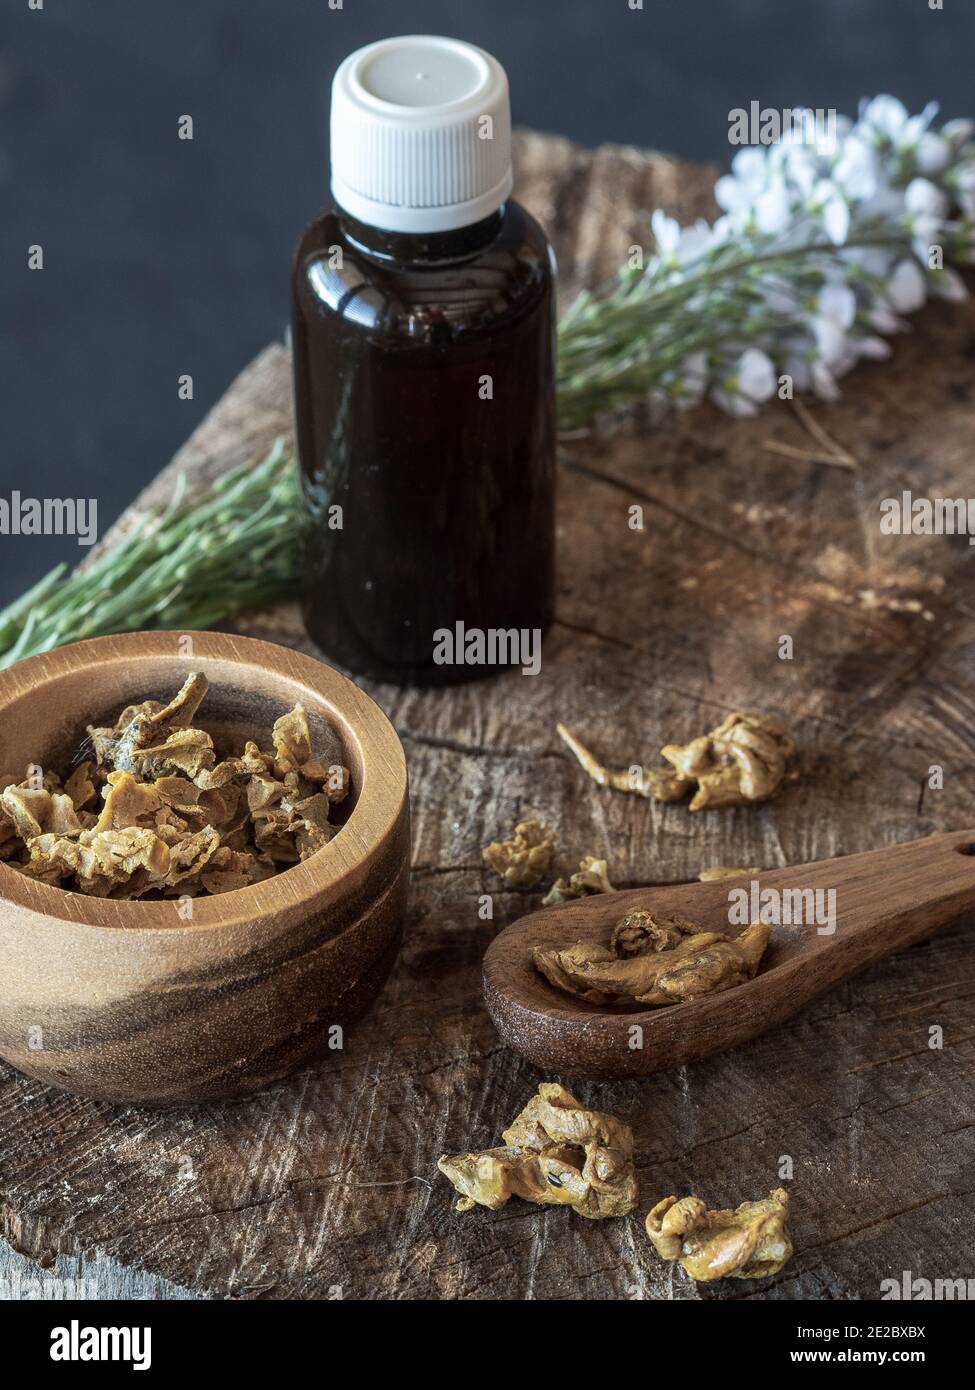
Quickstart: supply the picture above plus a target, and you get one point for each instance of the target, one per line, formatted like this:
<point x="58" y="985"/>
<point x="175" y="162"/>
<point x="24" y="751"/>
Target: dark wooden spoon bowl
<point x="885" y="899"/>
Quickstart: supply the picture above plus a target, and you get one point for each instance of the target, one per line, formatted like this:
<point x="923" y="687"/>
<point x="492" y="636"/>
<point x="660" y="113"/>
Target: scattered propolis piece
<point x="659" y="784"/>
<point x="654" y="961"/>
<point x="640" y="932"/>
<point x="525" y="859"/>
<point x="555" y="1153"/>
<point x="750" y="1242"/>
<point x="720" y="871"/>
<point x="748" y="757"/>
<point x="590" y="877"/>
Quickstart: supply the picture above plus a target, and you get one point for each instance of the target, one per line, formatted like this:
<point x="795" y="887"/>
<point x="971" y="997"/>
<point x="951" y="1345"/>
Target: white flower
<point x="751" y="381"/>
<point x="926" y="199"/>
<point x="739" y="189"/>
<point x="885" y="116"/>
<point x="756" y="375"/>
<point x="958" y="133"/>
<point x="797" y="164"/>
<point x="881" y="317"/>
<point x="772" y="211"/>
<point x="890" y="187"/>
<point x="962" y="180"/>
<point x="925" y="206"/>
<point x="886" y="119"/>
<point x="666" y="233"/>
<point x="833" y="208"/>
<point x="677" y="245"/>
<point x="906" y="289"/>
<point x="838" y="302"/>
<point x="835" y="311"/>
<point x="798" y="368"/>
<point x="915" y="127"/>
<point x="695" y="242"/>
<point x="933" y="153"/>
<point x="856" y="168"/>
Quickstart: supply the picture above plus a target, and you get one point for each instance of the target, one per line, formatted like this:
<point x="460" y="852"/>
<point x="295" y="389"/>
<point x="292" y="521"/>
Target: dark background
<point x="165" y="256"/>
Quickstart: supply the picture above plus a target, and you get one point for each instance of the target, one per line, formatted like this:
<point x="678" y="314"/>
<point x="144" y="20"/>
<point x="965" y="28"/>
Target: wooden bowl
<point x="127" y="1001"/>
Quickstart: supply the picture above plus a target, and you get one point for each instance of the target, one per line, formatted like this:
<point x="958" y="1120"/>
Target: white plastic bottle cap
<point x="420" y="134"/>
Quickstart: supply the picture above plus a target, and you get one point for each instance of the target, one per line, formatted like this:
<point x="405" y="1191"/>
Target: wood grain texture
<point x="329" y="1179"/>
<point x="135" y="1000"/>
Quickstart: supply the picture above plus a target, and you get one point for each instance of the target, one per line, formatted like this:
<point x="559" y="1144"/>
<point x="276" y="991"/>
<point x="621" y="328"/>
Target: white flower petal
<point x="756" y="375"/>
<point x="772" y="209"/>
<point x="915" y="126"/>
<point x="837" y="302"/>
<point x="924" y="197"/>
<point x="855" y="170"/>
<point x="906" y="288"/>
<point x="729" y="192"/>
<point x="694" y="243"/>
<point x="933" y="154"/>
<point x="958" y="132"/>
<point x="876" y="348"/>
<point x="886" y="115"/>
<point x="947" y="284"/>
<point x="734" y="404"/>
<point x="800" y="166"/>
<point x="749" y="164"/>
<point x="836" y="220"/>
<point x="798" y="368"/>
<point x="823" y="382"/>
<point x="882" y="317"/>
<point x="830" y="340"/>
<point x="666" y="232"/>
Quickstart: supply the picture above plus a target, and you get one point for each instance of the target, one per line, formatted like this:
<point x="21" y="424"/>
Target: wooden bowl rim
<point x="379" y="800"/>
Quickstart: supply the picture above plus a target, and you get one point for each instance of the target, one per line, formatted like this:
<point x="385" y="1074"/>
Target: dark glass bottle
<point x="425" y="412"/>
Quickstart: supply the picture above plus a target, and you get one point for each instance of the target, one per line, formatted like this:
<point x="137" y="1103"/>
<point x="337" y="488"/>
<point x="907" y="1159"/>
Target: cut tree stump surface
<point x="329" y="1180"/>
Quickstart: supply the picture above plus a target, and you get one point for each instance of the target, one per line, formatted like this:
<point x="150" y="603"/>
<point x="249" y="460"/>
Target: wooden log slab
<point x="862" y="1103"/>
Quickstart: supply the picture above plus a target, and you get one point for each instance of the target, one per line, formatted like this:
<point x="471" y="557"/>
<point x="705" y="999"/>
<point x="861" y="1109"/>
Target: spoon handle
<point x="888" y="898"/>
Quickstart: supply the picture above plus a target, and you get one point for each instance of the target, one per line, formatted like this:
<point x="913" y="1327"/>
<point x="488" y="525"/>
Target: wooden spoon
<point x="885" y="899"/>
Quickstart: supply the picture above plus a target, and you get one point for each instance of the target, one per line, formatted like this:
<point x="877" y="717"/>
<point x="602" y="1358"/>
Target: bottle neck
<point x="407" y="248"/>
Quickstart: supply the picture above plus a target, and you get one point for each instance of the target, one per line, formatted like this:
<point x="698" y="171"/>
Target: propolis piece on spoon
<point x="885" y="899"/>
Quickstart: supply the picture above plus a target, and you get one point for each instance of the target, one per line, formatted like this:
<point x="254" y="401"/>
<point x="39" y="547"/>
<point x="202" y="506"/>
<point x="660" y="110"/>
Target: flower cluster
<point x="826" y="241"/>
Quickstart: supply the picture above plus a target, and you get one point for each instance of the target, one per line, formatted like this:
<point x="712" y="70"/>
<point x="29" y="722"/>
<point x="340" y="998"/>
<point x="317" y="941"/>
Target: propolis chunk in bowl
<point x="138" y="1001"/>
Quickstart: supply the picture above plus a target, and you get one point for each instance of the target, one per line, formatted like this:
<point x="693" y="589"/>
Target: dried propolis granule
<point x="556" y="1153"/>
<point x="748" y="757"/>
<point x="173" y="821"/>
<point x="525" y="859"/>
<point x="750" y="1242"/>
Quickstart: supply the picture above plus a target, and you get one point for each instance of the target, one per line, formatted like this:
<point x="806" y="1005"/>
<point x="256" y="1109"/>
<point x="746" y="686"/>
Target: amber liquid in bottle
<point x="425" y="415"/>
